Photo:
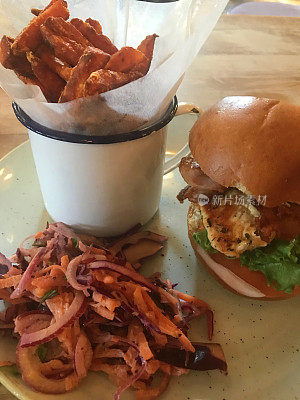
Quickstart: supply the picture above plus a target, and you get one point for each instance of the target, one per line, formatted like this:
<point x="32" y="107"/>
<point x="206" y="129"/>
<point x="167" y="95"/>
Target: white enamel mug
<point x="103" y="185"/>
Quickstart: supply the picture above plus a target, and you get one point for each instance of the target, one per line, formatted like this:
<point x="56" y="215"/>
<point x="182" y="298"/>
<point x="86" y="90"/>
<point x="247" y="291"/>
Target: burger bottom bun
<point x="232" y="275"/>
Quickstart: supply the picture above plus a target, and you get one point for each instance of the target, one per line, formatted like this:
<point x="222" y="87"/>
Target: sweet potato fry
<point x="37" y="11"/>
<point x="91" y="60"/>
<point x="32" y="80"/>
<point x="147" y="46"/>
<point x="51" y="82"/>
<point x="63" y="28"/>
<point x="95" y="24"/>
<point x="104" y="80"/>
<point x="128" y="59"/>
<point x="102" y="42"/>
<point x="65" y="49"/>
<point x="18" y="63"/>
<point x="61" y="68"/>
<point x="30" y="38"/>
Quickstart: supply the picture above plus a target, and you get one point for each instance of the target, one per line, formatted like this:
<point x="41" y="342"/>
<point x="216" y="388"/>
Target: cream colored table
<point x="244" y="55"/>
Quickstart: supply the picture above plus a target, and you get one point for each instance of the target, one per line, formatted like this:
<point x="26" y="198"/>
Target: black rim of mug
<point x="95" y="139"/>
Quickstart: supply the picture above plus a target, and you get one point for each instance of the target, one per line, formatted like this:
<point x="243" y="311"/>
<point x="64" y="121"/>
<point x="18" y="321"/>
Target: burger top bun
<point x="252" y="144"/>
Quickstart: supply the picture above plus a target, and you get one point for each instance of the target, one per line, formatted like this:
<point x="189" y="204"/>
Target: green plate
<point x="260" y="339"/>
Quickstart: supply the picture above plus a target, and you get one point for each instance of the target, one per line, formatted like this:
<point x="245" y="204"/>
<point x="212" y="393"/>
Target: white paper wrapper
<point x="182" y="26"/>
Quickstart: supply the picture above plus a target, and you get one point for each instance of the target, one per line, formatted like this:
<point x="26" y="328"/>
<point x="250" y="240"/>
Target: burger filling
<point x="233" y="223"/>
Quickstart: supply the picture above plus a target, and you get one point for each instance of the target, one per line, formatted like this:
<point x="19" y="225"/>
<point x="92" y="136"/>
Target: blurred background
<point x="256" y="7"/>
<point x="234" y="3"/>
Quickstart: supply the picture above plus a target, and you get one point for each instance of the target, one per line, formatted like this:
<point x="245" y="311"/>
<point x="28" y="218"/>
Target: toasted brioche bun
<point x="230" y="272"/>
<point x="252" y="144"/>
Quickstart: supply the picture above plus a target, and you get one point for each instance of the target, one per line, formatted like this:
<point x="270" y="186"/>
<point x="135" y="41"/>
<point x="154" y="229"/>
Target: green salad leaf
<point x="13" y="369"/>
<point x="279" y="262"/>
<point x="49" y="295"/>
<point x="202" y="239"/>
<point x="41" y="352"/>
<point x="39" y="243"/>
<point x="75" y="242"/>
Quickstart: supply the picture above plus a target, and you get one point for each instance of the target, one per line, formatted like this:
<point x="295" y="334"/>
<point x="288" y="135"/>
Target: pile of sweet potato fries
<point x="72" y="59"/>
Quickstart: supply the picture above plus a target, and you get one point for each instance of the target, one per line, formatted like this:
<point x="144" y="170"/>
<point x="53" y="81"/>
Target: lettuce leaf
<point x="202" y="239"/>
<point x="279" y="262"/>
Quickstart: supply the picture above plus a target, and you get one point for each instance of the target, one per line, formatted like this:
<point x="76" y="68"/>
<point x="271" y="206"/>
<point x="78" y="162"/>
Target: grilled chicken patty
<point x="235" y="226"/>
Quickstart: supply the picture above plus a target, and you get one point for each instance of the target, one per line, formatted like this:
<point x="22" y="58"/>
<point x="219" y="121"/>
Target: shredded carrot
<point x="102" y="275"/>
<point x="6" y="363"/>
<point x="103" y="311"/>
<point x="46" y="283"/>
<point x="39" y="234"/>
<point x="64" y="261"/>
<point x="5" y="295"/>
<point x="160" y="339"/>
<point x="107" y="302"/>
<point x="9" y="282"/>
<point x="152" y="366"/>
<point x="191" y="299"/>
<point x="49" y="269"/>
<point x="147" y="306"/>
<point x="97" y="251"/>
<point x="13" y="271"/>
<point x="136" y="334"/>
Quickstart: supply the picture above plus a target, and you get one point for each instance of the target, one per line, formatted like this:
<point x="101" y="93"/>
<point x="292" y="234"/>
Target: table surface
<point x="245" y="55"/>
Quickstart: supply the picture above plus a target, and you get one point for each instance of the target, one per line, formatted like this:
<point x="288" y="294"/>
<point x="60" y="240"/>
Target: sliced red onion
<point x="134" y="377"/>
<point x="25" y="252"/>
<point x="83" y="356"/>
<point x="172" y="300"/>
<point x="72" y="272"/>
<point x="101" y="288"/>
<point x="27" y="274"/>
<point x="85" y="280"/>
<point x="133" y="311"/>
<point x="32" y="321"/>
<point x="135" y="238"/>
<point x="5" y="264"/>
<point x="75" y="310"/>
<point x="197" y="311"/>
<point x="60" y="247"/>
<point x="226" y="275"/>
<point x="83" y="247"/>
<point x="134" y="276"/>
<point x="31" y="369"/>
<point x="63" y="229"/>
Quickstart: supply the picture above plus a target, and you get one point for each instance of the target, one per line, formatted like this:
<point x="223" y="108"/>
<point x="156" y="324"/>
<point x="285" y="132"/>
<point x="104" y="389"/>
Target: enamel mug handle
<point x="172" y="163"/>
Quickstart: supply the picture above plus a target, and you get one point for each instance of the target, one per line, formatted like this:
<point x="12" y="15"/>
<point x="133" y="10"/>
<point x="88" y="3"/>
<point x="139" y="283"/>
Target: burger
<point x="243" y="182"/>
